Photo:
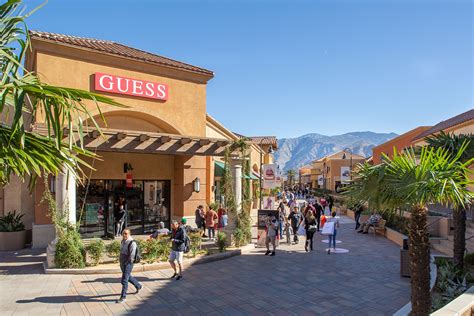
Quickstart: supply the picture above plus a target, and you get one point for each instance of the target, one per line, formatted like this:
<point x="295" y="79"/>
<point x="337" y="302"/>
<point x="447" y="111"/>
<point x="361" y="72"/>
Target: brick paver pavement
<point x="364" y="281"/>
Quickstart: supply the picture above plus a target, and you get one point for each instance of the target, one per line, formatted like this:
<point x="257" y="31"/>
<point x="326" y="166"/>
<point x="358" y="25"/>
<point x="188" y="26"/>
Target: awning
<point x="125" y="141"/>
<point x="219" y="171"/>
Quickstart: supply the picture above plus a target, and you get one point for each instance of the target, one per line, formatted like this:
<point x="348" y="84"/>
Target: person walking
<point x="272" y="233"/>
<point x="330" y="201"/>
<point x="332" y="238"/>
<point x="319" y="212"/>
<point x="295" y="220"/>
<point x="211" y="220"/>
<point x="199" y="219"/>
<point x="282" y="217"/>
<point x="128" y="250"/>
<point x="310" y="226"/>
<point x="120" y="220"/>
<point x="224" y="219"/>
<point x="178" y="237"/>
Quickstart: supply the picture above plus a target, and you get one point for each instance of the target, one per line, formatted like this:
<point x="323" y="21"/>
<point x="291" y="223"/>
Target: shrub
<point x="196" y="242"/>
<point x="451" y="282"/>
<point x="113" y="250"/>
<point x="70" y="250"/>
<point x="221" y="241"/>
<point x="150" y="250"/>
<point x="469" y="259"/>
<point x="95" y="250"/>
<point x="11" y="222"/>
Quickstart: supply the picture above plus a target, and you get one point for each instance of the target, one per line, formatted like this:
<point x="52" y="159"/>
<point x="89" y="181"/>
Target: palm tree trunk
<point x="459" y="243"/>
<point x="419" y="251"/>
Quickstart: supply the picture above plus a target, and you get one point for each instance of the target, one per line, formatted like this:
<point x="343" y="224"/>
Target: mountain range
<point x="294" y="153"/>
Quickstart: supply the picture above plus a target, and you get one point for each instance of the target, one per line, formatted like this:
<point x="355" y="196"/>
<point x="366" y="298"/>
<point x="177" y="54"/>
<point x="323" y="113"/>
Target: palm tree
<point x="453" y="143"/>
<point x="22" y="96"/>
<point x="408" y="180"/>
<point x="290" y="174"/>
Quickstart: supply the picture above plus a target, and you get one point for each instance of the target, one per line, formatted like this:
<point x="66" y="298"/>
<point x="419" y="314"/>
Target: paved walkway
<point x="364" y="281"/>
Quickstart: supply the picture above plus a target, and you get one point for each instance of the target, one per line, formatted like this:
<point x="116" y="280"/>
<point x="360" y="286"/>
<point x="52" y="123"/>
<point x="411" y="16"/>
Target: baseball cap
<point x="183" y="220"/>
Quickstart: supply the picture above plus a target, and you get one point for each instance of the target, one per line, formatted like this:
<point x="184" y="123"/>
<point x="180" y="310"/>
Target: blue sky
<point x="288" y="68"/>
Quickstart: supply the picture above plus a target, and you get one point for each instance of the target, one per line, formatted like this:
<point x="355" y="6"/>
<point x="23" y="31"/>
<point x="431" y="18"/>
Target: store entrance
<point x="146" y="203"/>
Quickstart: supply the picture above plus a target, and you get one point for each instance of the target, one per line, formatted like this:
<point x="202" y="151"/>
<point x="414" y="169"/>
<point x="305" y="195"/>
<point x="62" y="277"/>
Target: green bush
<point x="113" y="250"/>
<point x="469" y="259"/>
<point x="450" y="283"/>
<point x="11" y="222"/>
<point x="396" y="221"/>
<point x="95" y="250"/>
<point x="243" y="232"/>
<point x="221" y="241"/>
<point x="70" y="250"/>
<point x="196" y="242"/>
<point x="155" y="249"/>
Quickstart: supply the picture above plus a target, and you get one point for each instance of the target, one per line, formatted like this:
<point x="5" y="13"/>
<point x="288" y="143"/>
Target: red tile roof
<point x="116" y="49"/>
<point x="265" y="140"/>
<point x="441" y="126"/>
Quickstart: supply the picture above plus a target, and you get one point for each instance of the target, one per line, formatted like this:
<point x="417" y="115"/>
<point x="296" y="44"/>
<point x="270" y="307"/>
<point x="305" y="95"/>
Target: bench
<point x="380" y="226"/>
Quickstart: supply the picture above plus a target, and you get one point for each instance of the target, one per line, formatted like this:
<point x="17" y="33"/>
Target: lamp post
<point x="270" y="150"/>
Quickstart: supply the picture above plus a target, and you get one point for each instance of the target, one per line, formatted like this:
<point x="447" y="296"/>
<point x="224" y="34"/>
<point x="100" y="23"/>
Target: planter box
<point x="394" y="236"/>
<point x="10" y="241"/>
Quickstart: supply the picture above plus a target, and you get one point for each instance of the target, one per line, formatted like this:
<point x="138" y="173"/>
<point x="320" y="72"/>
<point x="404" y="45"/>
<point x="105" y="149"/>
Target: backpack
<point x="187" y="244"/>
<point x="138" y="253"/>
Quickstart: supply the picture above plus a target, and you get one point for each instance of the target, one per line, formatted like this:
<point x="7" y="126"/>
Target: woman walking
<point x="310" y="226"/>
<point x="332" y="238"/>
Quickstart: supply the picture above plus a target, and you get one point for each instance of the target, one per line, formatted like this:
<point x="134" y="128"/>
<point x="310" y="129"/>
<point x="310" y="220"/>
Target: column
<point x="65" y="195"/>
<point x="236" y="166"/>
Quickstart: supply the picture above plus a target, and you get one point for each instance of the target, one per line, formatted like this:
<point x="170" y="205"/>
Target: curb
<point x="153" y="266"/>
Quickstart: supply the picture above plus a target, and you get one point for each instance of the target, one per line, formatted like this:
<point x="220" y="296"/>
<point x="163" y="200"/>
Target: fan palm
<point x="409" y="180"/>
<point x="22" y="96"/>
<point x="291" y="176"/>
<point x="453" y="143"/>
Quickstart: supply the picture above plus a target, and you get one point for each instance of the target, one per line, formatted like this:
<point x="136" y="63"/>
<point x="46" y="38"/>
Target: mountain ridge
<point x="296" y="152"/>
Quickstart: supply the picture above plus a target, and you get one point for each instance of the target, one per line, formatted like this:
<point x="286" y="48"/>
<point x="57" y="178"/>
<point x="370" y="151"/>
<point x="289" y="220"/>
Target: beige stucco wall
<point x="185" y="110"/>
<point x="17" y="197"/>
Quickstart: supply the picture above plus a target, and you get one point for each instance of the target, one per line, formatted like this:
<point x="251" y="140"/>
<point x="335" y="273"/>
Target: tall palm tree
<point x="409" y="180"/>
<point x="290" y="174"/>
<point x="22" y="96"/>
<point x="453" y="143"/>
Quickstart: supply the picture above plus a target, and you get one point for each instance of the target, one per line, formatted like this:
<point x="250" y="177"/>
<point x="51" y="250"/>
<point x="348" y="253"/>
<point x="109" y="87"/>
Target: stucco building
<point x="157" y="155"/>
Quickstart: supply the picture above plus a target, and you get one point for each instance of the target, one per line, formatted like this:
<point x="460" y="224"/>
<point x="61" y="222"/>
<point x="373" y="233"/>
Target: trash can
<point x="404" y="259"/>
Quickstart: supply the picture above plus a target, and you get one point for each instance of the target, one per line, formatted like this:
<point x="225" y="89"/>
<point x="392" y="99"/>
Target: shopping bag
<point x="301" y="231"/>
<point x="328" y="228"/>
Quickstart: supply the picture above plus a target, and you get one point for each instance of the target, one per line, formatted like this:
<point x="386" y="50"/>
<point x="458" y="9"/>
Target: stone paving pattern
<point x="365" y="281"/>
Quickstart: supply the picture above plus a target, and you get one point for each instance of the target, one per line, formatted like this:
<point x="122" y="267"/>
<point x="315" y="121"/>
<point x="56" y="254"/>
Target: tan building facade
<point x="330" y="167"/>
<point x="156" y="156"/>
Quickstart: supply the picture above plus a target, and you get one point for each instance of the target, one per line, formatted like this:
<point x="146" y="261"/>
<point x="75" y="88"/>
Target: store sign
<point x="345" y="175"/>
<point x="320" y="180"/>
<point x="129" y="86"/>
<point x="271" y="178"/>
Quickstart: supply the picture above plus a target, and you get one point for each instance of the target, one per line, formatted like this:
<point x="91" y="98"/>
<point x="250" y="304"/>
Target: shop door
<point x="157" y="204"/>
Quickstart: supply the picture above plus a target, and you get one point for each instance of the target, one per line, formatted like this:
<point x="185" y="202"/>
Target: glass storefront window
<point x="146" y="204"/>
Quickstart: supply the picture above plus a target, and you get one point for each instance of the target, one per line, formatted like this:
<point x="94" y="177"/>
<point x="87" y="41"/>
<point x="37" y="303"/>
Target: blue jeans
<point x="127" y="268"/>
<point x="332" y="239"/>
<point x="281" y="229"/>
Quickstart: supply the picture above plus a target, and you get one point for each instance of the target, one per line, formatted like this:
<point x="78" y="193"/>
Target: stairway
<point x="445" y="245"/>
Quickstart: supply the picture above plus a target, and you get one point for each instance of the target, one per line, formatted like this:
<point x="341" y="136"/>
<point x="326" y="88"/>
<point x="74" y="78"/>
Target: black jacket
<point x="177" y="238"/>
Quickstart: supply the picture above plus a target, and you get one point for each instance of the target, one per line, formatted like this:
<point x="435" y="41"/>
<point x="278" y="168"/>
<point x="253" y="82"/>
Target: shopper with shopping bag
<point x="295" y="218"/>
<point x="334" y="223"/>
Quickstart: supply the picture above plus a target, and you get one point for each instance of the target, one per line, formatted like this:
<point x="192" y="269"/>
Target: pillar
<point x="236" y="166"/>
<point x="65" y="195"/>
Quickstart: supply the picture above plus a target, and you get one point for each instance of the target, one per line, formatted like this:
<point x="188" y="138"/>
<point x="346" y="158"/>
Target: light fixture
<point x="197" y="184"/>
<point x="270" y="149"/>
<point x="344" y="156"/>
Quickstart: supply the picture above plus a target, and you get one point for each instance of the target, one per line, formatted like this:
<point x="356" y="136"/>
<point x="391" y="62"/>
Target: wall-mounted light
<point x="197" y="184"/>
<point x="127" y="167"/>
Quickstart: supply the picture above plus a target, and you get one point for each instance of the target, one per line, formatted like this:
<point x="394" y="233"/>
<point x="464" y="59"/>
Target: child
<point x="288" y="231"/>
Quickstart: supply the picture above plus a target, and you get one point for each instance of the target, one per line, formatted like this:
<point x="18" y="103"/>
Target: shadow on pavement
<point x="117" y="280"/>
<point x="70" y="299"/>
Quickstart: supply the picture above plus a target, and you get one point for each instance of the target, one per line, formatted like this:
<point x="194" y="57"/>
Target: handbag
<point x="328" y="228"/>
<point x="312" y="228"/>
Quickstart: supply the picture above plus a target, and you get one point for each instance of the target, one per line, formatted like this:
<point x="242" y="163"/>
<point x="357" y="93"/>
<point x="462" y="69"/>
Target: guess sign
<point x="129" y="86"/>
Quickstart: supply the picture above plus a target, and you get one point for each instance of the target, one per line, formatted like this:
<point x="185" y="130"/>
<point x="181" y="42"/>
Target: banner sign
<point x="264" y="216"/>
<point x="129" y="86"/>
<point x="345" y="175"/>
<point x="270" y="176"/>
<point x="129" y="181"/>
<point x="320" y="180"/>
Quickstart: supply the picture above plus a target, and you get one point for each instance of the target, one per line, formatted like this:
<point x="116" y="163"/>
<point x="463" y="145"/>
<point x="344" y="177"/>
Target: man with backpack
<point x="179" y="241"/>
<point x="129" y="254"/>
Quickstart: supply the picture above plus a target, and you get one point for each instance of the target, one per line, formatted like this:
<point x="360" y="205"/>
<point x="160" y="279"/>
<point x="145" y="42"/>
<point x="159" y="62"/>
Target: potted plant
<point x="12" y="232"/>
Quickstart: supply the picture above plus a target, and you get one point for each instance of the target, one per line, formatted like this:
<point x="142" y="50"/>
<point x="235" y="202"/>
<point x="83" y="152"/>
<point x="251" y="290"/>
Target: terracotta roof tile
<point x="453" y="121"/>
<point x="117" y="49"/>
